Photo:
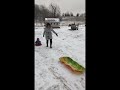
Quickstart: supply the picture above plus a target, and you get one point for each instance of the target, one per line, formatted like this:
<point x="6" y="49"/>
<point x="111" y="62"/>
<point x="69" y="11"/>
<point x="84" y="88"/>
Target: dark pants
<point x="50" y="42"/>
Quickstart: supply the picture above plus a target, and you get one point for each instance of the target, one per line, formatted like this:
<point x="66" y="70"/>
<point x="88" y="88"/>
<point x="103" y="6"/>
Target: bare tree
<point x="42" y="12"/>
<point x="36" y="13"/>
<point x="71" y="14"/>
<point x="54" y="8"/>
<point x="82" y="17"/>
<point x="67" y="14"/>
<point x="77" y="15"/>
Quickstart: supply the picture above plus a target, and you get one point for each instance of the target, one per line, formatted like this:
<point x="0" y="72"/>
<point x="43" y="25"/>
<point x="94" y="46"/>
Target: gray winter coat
<point x="48" y="33"/>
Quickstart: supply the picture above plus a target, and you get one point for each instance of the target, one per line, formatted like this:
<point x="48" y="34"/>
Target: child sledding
<point x="38" y="42"/>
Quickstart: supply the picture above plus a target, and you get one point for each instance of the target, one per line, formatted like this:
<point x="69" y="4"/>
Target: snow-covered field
<point x="50" y="74"/>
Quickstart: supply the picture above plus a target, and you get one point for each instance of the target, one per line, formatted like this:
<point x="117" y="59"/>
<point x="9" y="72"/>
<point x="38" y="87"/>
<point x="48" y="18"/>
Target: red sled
<point x="38" y="42"/>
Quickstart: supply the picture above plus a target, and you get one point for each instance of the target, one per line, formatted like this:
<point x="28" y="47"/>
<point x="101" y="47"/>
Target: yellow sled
<point x="71" y="63"/>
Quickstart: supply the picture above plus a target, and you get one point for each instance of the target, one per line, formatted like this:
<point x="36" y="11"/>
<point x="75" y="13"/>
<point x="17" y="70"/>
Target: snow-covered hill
<point x="50" y="74"/>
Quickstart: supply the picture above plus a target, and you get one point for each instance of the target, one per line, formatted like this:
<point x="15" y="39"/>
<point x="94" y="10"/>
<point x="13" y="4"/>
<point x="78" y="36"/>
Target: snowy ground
<point x="50" y="74"/>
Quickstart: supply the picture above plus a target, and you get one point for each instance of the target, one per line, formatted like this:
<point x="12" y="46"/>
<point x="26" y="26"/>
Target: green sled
<point x="71" y="63"/>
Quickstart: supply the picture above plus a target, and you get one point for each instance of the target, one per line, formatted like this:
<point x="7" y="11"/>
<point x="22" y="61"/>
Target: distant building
<point x="55" y="22"/>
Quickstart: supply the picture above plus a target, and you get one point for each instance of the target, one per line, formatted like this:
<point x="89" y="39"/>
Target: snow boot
<point x="50" y="43"/>
<point x="47" y="43"/>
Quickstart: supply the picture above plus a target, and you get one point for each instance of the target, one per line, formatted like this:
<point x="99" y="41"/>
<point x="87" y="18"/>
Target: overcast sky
<point x="75" y="6"/>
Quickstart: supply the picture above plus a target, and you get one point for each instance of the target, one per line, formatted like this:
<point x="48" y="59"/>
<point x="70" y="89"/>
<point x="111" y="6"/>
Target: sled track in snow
<point x="63" y="45"/>
<point x="64" y="82"/>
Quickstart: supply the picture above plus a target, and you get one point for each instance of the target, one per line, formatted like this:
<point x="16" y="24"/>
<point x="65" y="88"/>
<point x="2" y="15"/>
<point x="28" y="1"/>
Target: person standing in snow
<point x="48" y="34"/>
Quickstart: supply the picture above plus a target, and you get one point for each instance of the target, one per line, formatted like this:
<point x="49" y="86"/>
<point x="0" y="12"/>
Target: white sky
<point x="75" y="6"/>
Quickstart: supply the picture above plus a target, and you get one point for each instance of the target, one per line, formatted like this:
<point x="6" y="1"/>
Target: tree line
<point x="53" y="11"/>
<point x="41" y="11"/>
<point x="70" y="14"/>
